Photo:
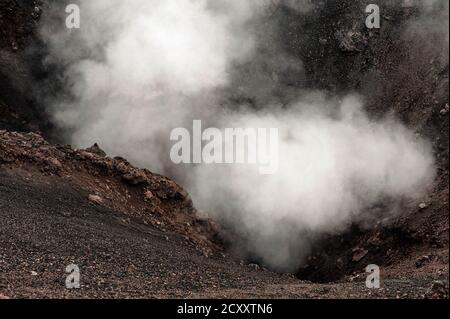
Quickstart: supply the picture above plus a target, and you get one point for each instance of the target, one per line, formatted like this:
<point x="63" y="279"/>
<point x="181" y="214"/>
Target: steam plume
<point x="137" y="69"/>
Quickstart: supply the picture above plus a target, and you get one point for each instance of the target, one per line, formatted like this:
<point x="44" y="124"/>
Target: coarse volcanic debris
<point x="113" y="182"/>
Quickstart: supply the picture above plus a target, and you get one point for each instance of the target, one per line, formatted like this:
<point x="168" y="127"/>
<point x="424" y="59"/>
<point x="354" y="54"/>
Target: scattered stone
<point x="148" y="195"/>
<point x="255" y="267"/>
<point x="351" y="41"/>
<point x="14" y="46"/>
<point x="423" y="205"/>
<point x="375" y="240"/>
<point x="66" y="214"/>
<point x="438" y="290"/>
<point x="126" y="221"/>
<point x="95" y="199"/>
<point x="135" y="177"/>
<point x="33" y="273"/>
<point x="445" y="110"/>
<point x="95" y="149"/>
<point x="422" y="261"/>
<point x="52" y="161"/>
<point x="86" y="155"/>
<point x="354" y="277"/>
<point x="162" y="193"/>
<point x="359" y="254"/>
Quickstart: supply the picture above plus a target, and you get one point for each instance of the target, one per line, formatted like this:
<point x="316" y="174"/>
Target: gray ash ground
<point x="47" y="225"/>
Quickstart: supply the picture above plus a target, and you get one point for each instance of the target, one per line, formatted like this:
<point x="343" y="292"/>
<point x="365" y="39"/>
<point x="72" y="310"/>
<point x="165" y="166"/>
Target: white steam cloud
<point x="333" y="168"/>
<point x="138" y="69"/>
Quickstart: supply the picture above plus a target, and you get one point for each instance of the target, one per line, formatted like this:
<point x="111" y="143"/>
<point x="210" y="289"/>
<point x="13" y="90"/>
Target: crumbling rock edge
<point x="114" y="183"/>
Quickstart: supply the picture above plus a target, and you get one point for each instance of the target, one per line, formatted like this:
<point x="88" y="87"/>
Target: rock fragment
<point x="438" y="290"/>
<point x="148" y="195"/>
<point x="95" y="149"/>
<point x="359" y="254"/>
<point x="422" y="261"/>
<point x="95" y="199"/>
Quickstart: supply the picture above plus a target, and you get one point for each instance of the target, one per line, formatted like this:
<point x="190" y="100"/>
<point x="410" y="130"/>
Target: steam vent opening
<point x="224" y="149"/>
